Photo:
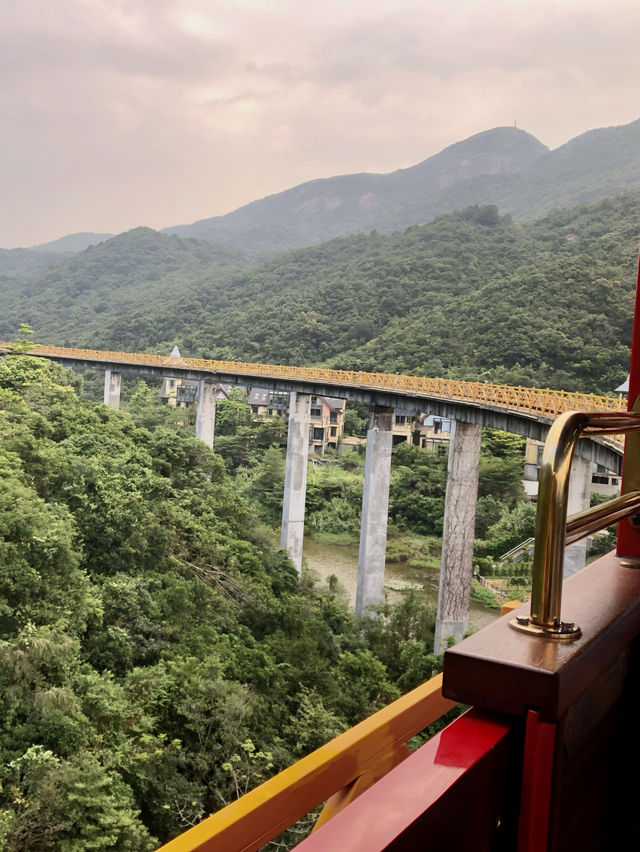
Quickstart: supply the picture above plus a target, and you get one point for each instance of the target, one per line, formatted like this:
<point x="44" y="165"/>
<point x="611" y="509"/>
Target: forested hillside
<point x="472" y="295"/>
<point x="138" y="270"/>
<point x="157" y="655"/>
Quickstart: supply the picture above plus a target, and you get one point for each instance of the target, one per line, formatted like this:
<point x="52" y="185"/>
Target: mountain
<point x="320" y="209"/>
<point x="26" y="261"/>
<point x="505" y="166"/>
<point x="471" y="295"/>
<point x="72" y="243"/>
<point x="595" y="165"/>
<point x="137" y="270"/>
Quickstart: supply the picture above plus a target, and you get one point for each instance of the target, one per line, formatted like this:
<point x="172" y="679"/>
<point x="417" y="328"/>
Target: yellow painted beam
<point x="251" y="821"/>
<point x="509" y="606"/>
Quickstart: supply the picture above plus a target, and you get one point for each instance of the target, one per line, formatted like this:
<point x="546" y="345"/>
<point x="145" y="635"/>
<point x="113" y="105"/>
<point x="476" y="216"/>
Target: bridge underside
<point x="516" y="422"/>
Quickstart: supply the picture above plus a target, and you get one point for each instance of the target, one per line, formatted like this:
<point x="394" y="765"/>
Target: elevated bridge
<point x="520" y="410"/>
<point x="469" y="405"/>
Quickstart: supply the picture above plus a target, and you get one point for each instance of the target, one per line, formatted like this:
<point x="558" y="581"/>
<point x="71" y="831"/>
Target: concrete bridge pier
<point x="456" y="565"/>
<point x="295" y="476"/>
<point x="375" y="508"/>
<point x="112" y="383"/>
<point x="575" y="555"/>
<point x="206" y="412"/>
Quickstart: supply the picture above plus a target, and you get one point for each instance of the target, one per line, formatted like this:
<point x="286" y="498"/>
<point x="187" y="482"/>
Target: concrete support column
<point x="575" y="555"/>
<point x="295" y="476"/>
<point x="206" y="412"/>
<point x="112" y="388"/>
<point x="456" y="566"/>
<point x="375" y="508"/>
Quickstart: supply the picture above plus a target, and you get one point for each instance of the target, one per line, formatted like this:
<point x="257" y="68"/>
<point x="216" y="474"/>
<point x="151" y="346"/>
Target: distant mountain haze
<point x="325" y="208"/>
<point x="504" y="166"/>
<point x="73" y="242"/>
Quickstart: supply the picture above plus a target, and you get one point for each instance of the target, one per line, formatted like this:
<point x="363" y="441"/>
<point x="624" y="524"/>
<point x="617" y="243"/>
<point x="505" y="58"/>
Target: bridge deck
<point x="523" y="410"/>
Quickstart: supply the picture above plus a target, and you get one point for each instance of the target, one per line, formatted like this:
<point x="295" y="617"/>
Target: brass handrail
<point x="598" y="517"/>
<point x="552" y="531"/>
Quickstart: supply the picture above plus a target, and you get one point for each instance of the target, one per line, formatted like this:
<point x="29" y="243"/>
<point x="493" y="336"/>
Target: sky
<point x="120" y="113"/>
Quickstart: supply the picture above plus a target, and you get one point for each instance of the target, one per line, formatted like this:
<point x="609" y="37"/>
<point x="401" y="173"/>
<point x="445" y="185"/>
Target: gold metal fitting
<point x="552" y="530"/>
<point x="566" y="632"/>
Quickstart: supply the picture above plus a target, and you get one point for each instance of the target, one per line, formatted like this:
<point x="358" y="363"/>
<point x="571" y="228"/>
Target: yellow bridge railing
<point x="536" y="401"/>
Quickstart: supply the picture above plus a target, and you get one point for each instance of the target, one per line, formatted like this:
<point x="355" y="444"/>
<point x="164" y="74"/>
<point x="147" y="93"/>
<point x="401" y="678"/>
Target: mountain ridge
<point x="505" y="166"/>
<point x="324" y="208"/>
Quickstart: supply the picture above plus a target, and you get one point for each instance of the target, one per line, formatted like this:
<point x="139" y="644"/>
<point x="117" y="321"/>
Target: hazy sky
<point x="119" y="113"/>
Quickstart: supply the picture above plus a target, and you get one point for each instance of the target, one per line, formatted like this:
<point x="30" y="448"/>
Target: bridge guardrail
<point x="538" y="401"/>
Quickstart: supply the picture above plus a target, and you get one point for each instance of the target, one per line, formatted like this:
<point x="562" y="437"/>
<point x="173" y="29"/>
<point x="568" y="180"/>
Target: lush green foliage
<point x="157" y="654"/>
<point x="471" y="295"/>
<point x="70" y="300"/>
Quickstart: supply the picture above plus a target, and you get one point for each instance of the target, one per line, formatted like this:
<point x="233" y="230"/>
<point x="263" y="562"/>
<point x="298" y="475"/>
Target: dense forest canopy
<point x="158" y="655"/>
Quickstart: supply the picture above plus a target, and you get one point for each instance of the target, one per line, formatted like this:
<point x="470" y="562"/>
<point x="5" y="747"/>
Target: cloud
<point x="153" y="112"/>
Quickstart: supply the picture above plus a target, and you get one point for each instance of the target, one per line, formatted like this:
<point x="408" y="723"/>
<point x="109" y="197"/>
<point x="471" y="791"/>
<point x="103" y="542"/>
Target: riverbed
<point x="342" y="560"/>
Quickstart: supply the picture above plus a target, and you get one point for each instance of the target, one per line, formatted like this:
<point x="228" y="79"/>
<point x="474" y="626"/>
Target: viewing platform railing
<point x="336" y="773"/>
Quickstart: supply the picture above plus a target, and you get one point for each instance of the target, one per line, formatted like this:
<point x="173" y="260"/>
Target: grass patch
<point x="485" y="596"/>
<point x="428" y="563"/>
<point x="334" y="538"/>
<point x="418" y="551"/>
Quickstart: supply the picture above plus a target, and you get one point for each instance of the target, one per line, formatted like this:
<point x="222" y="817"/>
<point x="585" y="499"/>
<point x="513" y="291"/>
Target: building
<point x="266" y="404"/>
<point x="183" y="393"/>
<point x="327" y="416"/>
<point x="403" y="427"/>
<point x="602" y="481"/>
<point x="327" y="423"/>
<point x="431" y="432"/>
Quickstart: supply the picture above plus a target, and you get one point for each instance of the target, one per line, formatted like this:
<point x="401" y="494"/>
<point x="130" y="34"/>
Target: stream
<point x="342" y="560"/>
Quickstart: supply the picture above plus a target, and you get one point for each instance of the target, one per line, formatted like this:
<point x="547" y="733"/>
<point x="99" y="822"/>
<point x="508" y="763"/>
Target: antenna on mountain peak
<point x="515" y="123"/>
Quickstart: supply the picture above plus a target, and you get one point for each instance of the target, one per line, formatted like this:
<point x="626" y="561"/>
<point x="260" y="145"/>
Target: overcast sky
<point x="119" y="113"/>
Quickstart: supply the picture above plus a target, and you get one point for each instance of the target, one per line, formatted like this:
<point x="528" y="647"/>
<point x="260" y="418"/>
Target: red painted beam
<point x="451" y="791"/>
<point x="537" y="781"/>
<point x="629" y="536"/>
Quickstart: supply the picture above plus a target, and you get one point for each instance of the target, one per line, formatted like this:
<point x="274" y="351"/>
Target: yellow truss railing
<point x="536" y="401"/>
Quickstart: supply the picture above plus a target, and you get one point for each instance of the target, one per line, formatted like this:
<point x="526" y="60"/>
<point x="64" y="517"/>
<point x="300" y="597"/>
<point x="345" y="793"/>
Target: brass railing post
<point x="551" y="517"/>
